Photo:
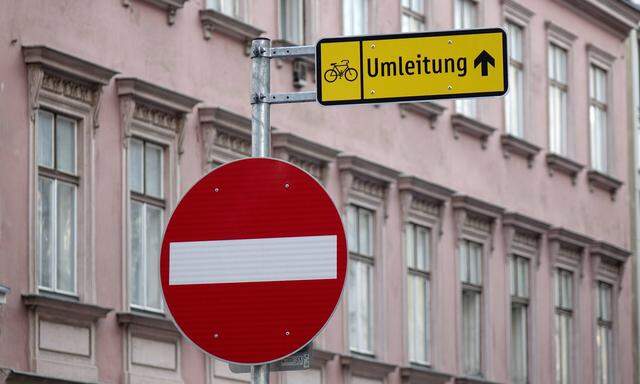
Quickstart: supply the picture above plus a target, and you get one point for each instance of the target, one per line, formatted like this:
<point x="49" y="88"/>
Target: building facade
<point x="489" y="239"/>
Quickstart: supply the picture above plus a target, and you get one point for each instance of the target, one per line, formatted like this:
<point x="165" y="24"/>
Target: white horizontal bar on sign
<point x="253" y="260"/>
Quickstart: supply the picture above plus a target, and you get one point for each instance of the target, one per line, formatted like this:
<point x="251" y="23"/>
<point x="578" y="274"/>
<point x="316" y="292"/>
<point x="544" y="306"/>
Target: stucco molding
<point x="471" y="127"/>
<point x="423" y="375"/>
<point x="153" y="106"/>
<point x="212" y="20"/>
<point x="512" y="145"/>
<point x="523" y="235"/>
<point x="366" y="179"/>
<point x="424" y="199"/>
<point x="473" y="380"/>
<point x="150" y="321"/>
<point x="476" y="218"/>
<point x="514" y="11"/>
<point x="559" y="35"/>
<point x="320" y="357"/>
<point x="362" y="366"/>
<point x="604" y="182"/>
<point x="619" y="16"/>
<point x="568" y="249"/>
<point x="558" y="163"/>
<point x="60" y="307"/>
<point x="226" y="136"/>
<point x="608" y="262"/>
<point x="12" y="376"/>
<point x="64" y="75"/>
<point x="170" y="6"/>
<point x="429" y="110"/>
<point x="310" y="156"/>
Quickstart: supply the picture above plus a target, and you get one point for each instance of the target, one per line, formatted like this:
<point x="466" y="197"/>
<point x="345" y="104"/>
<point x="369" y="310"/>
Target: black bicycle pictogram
<point x="339" y="71"/>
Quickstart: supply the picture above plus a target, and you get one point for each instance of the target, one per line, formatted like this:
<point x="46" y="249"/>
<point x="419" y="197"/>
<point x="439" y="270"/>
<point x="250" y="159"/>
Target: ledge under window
<point x="217" y="21"/>
<point x="517" y="146"/>
<point x="12" y="376"/>
<point x="429" y="110"/>
<point x="171" y="6"/>
<point x="65" y="307"/>
<point x="558" y="163"/>
<point x="473" y="380"/>
<point x="471" y="127"/>
<point x="147" y="320"/>
<point x="418" y="374"/>
<point x="603" y="181"/>
<point x="366" y="367"/>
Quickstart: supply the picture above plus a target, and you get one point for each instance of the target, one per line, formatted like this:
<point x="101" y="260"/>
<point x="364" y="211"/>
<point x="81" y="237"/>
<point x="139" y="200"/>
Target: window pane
<point x="360" y="306"/>
<point x="475" y="262"/>
<point x="604" y="302"/>
<point x="523" y="277"/>
<point x="604" y="358"/>
<point x="422" y="248"/>
<point x="515" y="41"/>
<point x="464" y="261"/>
<point x="65" y="145"/>
<point x="409" y="245"/>
<point x="418" y="339"/>
<point x="411" y="316"/>
<point x="66" y="237"/>
<point x="135" y="166"/>
<point x="45" y="138"/>
<point x="471" y="332"/>
<point x="137" y="253"/>
<point x="153" y="170"/>
<point x="45" y="225"/>
<point x="292" y="18"/>
<point x="519" y="344"/>
<point x="153" y="241"/>
<point x="513" y="276"/>
<point x="352" y="228"/>
<point x="365" y="229"/>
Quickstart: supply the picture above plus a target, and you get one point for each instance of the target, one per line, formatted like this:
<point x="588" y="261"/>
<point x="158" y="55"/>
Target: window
<point x="355" y="16"/>
<point x="292" y="21"/>
<point x="228" y="7"/>
<point x="56" y="202"/>
<point x="558" y="100"/>
<point x="147" y="215"/>
<point x="413" y="18"/>
<point x="598" y="117"/>
<point x="519" y="273"/>
<point x="564" y="320"/>
<point x="471" y="278"/>
<point x="604" y="337"/>
<point x="417" y="253"/>
<point x="514" y="101"/>
<point x="360" y="240"/>
<point x="466" y="16"/>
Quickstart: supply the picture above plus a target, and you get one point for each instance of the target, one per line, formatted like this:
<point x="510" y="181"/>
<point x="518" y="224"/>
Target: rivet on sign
<point x="450" y="87"/>
<point x="450" y="42"/>
<point x="373" y="46"/>
<point x="286" y="185"/>
<point x="373" y="91"/>
<point x="215" y="336"/>
<point x="286" y="333"/>
<point x="216" y="189"/>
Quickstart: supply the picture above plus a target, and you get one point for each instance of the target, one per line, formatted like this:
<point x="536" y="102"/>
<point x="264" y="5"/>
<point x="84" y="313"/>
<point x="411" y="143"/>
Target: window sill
<point x="366" y="366"/>
<point x="217" y="21"/>
<point x="472" y="380"/>
<point x="429" y="110"/>
<point x="517" y="146"/>
<point x="471" y="127"/>
<point x="603" y="181"/>
<point x="64" y="307"/>
<point x="17" y="377"/>
<point x="147" y="320"/>
<point x="171" y="6"/>
<point x="423" y="374"/>
<point x="558" y="163"/>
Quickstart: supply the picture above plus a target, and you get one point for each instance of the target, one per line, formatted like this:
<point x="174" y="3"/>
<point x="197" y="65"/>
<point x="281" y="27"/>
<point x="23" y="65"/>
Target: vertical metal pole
<point x="260" y="135"/>
<point x="260" y="90"/>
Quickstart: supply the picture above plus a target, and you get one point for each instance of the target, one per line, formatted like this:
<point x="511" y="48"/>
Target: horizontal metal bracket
<point x="294" y="97"/>
<point x="293" y="51"/>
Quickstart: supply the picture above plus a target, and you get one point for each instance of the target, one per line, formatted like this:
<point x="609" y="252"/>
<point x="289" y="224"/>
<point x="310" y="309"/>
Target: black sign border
<point x="380" y="100"/>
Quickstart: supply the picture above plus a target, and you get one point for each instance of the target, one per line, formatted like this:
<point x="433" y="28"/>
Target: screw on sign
<point x="253" y="261"/>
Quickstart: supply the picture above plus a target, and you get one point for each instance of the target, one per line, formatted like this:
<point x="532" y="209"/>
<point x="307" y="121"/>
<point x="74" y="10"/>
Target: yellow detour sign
<point x="411" y="66"/>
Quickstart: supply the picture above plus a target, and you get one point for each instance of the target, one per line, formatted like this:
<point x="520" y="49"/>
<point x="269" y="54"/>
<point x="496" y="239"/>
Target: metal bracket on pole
<point x="294" y="51"/>
<point x="294" y="97"/>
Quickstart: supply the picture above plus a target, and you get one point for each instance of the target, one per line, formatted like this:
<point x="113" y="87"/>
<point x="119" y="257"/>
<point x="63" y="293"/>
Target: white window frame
<point x="468" y="107"/>
<point x="604" y="61"/>
<point x="521" y="301"/>
<point x="240" y="11"/>
<point x="414" y="14"/>
<point x="563" y="39"/>
<point x="610" y="325"/>
<point x="285" y="18"/>
<point x="571" y="312"/>
<point x="368" y="16"/>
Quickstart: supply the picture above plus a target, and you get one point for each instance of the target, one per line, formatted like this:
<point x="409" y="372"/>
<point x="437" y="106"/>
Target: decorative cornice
<point x="367" y="168"/>
<point x="609" y="261"/>
<point x="559" y="34"/>
<point x="159" y="322"/>
<point x="422" y="197"/>
<point x="423" y="375"/>
<point x="171" y="6"/>
<point x="516" y="12"/>
<point x="618" y="15"/>
<point x="477" y="206"/>
<point x="320" y="357"/>
<point x="217" y="21"/>
<point x="366" y="367"/>
<point x="428" y="109"/>
<point x="154" y="95"/>
<point x="517" y="146"/>
<point x="524" y="232"/>
<point x="63" y="307"/>
<point x="569" y="247"/>
<point x="12" y="376"/>
<point x="366" y="177"/>
<point x="603" y="181"/>
<point x="471" y="127"/>
<point x="610" y="252"/>
<point x="567" y="237"/>
<point x="310" y="156"/>
<point x="558" y="163"/>
<point x="600" y="55"/>
<point x="225" y="131"/>
<point x="473" y="380"/>
<point x="475" y="215"/>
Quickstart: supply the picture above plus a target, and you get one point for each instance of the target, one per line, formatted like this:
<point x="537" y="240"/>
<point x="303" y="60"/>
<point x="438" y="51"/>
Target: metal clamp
<point x="294" y="97"/>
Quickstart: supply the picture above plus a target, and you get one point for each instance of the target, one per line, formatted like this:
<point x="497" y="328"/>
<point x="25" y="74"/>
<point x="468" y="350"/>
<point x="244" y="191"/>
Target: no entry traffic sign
<point x="253" y="261"/>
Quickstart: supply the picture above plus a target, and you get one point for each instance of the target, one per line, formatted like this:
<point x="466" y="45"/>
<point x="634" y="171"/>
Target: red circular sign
<point x="253" y="261"/>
